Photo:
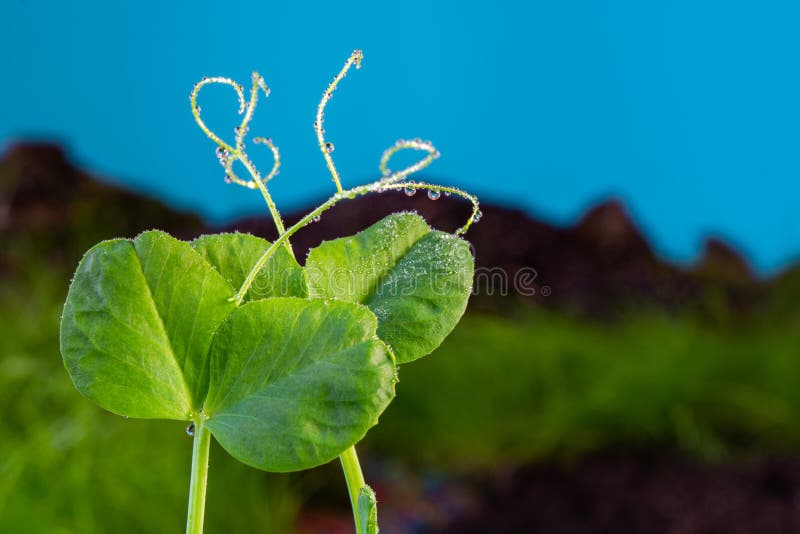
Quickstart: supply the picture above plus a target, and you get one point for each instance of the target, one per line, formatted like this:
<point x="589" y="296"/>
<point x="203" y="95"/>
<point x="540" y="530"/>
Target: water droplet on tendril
<point x="477" y="216"/>
<point x="447" y="193"/>
<point x="228" y="180"/>
<point x="329" y="147"/>
<point x="410" y="191"/>
<point x="316" y="218"/>
<point x="434" y="195"/>
<point x="190" y="429"/>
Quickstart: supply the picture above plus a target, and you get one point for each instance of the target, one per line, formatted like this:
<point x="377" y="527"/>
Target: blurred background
<point x="630" y="358"/>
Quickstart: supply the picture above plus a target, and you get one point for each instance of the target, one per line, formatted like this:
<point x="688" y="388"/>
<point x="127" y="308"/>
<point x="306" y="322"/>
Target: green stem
<point x="197" y="485"/>
<point x="355" y="480"/>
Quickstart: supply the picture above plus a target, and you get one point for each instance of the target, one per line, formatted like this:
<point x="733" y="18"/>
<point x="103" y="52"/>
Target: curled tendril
<point x="196" y="109"/>
<point x="415" y="186"/>
<point x="324" y="146"/>
<point x="228" y="154"/>
<point x="402" y="144"/>
<point x="276" y="157"/>
<point x="241" y="130"/>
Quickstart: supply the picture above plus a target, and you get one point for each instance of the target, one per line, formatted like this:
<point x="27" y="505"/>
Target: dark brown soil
<point x="647" y="495"/>
<point x="601" y="266"/>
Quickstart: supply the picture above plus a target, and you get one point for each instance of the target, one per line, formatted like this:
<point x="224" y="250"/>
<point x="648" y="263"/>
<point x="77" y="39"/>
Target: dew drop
<point x="190" y="430"/>
<point x="447" y="193"/>
<point x="316" y="218"/>
<point x="329" y="147"/>
<point x="197" y="109"/>
<point x="434" y="195"/>
<point x="125" y="417"/>
<point x="410" y="191"/>
<point x="477" y="216"/>
<point x="228" y="180"/>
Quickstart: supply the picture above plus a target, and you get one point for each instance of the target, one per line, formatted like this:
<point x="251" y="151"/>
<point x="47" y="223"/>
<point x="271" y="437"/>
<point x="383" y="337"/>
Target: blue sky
<point x="686" y="110"/>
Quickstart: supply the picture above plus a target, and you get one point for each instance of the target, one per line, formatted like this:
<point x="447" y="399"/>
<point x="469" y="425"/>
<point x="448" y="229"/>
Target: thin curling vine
<point x="286" y="366"/>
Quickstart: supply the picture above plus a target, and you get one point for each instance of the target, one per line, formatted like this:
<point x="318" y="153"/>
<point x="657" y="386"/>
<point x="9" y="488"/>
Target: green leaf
<point x="416" y="280"/>
<point x="367" y="511"/>
<point x="137" y="325"/>
<point x="233" y="255"/>
<point x="295" y="382"/>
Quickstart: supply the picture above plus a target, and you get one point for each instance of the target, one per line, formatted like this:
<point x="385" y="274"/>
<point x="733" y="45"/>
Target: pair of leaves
<point x="296" y="374"/>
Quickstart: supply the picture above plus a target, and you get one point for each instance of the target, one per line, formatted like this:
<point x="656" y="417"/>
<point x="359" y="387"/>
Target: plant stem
<point x="355" y="480"/>
<point x="197" y="485"/>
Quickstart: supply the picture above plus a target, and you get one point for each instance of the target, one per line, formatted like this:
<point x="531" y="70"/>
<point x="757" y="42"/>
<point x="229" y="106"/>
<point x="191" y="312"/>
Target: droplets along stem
<point x="378" y="186"/>
<point x="325" y="147"/>
<point x="388" y="177"/>
<point x="228" y="154"/>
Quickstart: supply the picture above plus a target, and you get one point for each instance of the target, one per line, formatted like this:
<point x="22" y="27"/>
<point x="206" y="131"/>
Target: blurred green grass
<point x="538" y="386"/>
<point x="501" y="391"/>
